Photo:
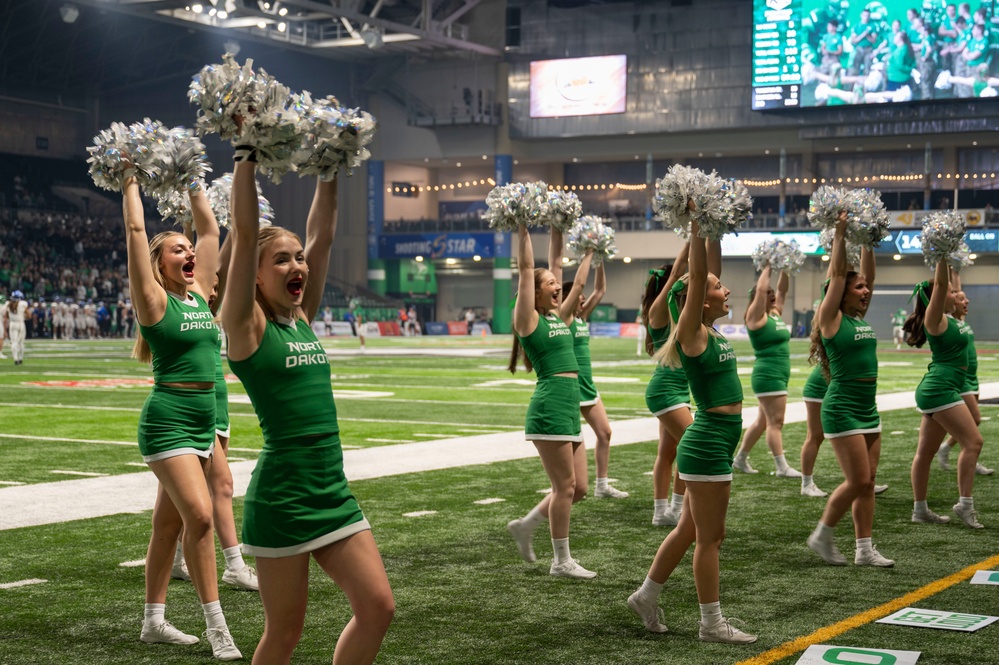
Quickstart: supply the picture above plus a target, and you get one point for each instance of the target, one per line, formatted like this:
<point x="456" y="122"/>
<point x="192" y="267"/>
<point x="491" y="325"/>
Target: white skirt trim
<point x="304" y="548"/>
<point x="851" y="432"/>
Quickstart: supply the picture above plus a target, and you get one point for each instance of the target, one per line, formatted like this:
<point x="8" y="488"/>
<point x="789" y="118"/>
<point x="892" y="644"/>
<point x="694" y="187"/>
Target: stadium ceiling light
<point x="197" y="9"/>
<point x="972" y="256"/>
<point x="69" y="13"/>
<point x="419" y="259"/>
<point x="627" y="259"/>
<point x="825" y="257"/>
<point x="282" y="26"/>
<point x="897" y="257"/>
<point x="476" y="258"/>
<point x="450" y="261"/>
<point x="283" y="11"/>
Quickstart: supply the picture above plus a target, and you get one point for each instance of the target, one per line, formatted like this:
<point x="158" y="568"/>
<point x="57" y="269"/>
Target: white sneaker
<point x="3" y="357"/>
<point x="982" y="470"/>
<point x="929" y="517"/>
<point x="669" y="518"/>
<point x="223" y="647"/>
<point x="968" y="516"/>
<point x="165" y="633"/>
<point x="788" y="472"/>
<point x="179" y="571"/>
<point x="245" y="578"/>
<point x="650" y="613"/>
<point x="812" y="489"/>
<point x="827" y="550"/>
<point x="609" y="493"/>
<point x="725" y="632"/>
<point x="880" y="489"/>
<point x="743" y="465"/>
<point x="524" y="538"/>
<point x="943" y="459"/>
<point x="571" y="568"/>
<point x="872" y="557"/>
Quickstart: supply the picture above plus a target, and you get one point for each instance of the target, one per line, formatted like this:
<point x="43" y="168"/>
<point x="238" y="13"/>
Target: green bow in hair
<point x="657" y="274"/>
<point x="513" y="302"/>
<point x="920" y="290"/>
<point x="674" y="291"/>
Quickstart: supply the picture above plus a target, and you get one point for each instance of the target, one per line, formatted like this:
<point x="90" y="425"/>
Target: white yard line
<point x="88" y="474"/>
<point x="60" y="438"/>
<point x="14" y="585"/>
<point x="49" y="503"/>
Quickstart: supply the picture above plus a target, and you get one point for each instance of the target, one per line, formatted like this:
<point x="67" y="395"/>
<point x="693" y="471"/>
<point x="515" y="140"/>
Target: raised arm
<point x="828" y="316"/>
<point x="599" y="289"/>
<point x="714" y="258"/>
<point x="555" y="254"/>
<point x="659" y="310"/>
<point x="525" y="317"/>
<point x="319" y="231"/>
<point x="691" y="335"/>
<point x="756" y="312"/>
<point x="783" y="282"/>
<point x="225" y="256"/>
<point x="934" y="320"/>
<point x="148" y="297"/>
<point x="242" y="318"/>
<point x="868" y="267"/>
<point x="206" y="250"/>
<point x="567" y="306"/>
<point x="955" y="279"/>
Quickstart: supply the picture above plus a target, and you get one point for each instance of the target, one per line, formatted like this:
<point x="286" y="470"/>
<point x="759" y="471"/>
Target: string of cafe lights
<point x="774" y="182"/>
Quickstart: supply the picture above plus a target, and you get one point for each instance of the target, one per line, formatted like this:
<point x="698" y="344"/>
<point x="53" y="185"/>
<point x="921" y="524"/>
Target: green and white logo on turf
<point x="824" y="654"/>
<point x="966" y="623"/>
<point x="986" y="577"/>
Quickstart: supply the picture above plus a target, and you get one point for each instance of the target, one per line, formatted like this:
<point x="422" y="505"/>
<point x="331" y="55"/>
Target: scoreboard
<point x="777" y="42"/>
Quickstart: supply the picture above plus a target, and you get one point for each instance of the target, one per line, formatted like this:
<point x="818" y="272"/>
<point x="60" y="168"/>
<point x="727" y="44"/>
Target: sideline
<point x="825" y="634"/>
<point x="68" y="500"/>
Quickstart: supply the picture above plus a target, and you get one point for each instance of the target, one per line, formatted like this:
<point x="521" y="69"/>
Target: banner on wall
<point x="461" y="211"/>
<point x="444" y="245"/>
<point x="914" y="218"/>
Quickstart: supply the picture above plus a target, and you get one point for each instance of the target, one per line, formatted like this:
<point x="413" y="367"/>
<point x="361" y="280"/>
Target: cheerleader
<point x="575" y="311"/>
<point x="13" y="317"/>
<point x="667" y="394"/>
<point x="938" y="397"/>
<point x="970" y="390"/>
<point x="169" y="280"/>
<point x="704" y="454"/>
<point x="846" y="347"/>
<point x="298" y="504"/>
<point x="771" y="339"/>
<point x="553" y="416"/>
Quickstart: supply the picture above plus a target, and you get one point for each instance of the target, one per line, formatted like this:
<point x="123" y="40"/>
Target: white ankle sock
<point x="677" y="502"/>
<point x="806" y="480"/>
<point x="601" y="483"/>
<point x="780" y="462"/>
<point x="660" y="506"/>
<point x="153" y="614"/>
<point x="823" y="531"/>
<point x="233" y="558"/>
<point x="864" y="544"/>
<point x="650" y="589"/>
<point x="561" y="548"/>
<point x="213" y="614"/>
<point x="741" y="457"/>
<point x="534" y="518"/>
<point x="966" y="501"/>
<point x="944" y="449"/>
<point x="919" y="507"/>
<point x="711" y="614"/>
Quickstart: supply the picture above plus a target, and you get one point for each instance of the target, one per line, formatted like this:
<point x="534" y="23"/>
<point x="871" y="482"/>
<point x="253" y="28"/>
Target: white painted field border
<point x="20" y="583"/>
<point x="135" y="563"/>
<point x="68" y="440"/>
<point x="89" y="474"/>
<point x="486" y="502"/>
<point x="420" y="513"/>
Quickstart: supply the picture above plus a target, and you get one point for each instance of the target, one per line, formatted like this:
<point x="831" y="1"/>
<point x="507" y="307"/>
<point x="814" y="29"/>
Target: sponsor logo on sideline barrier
<point x="436" y="328"/>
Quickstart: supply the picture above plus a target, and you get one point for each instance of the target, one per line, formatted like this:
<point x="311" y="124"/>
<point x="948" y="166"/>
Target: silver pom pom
<point x="673" y="191"/>
<point x="172" y="159"/>
<point x="722" y="206"/>
<point x="867" y="219"/>
<point x="960" y="258"/>
<point x="852" y="251"/>
<point x="562" y="209"/>
<point x="111" y="148"/>
<point x="219" y="193"/>
<point x="336" y="138"/>
<point x="591" y="233"/>
<point x="942" y="235"/>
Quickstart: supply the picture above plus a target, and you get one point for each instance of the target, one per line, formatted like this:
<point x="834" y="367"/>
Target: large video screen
<point x="579" y="86"/>
<point x="809" y="53"/>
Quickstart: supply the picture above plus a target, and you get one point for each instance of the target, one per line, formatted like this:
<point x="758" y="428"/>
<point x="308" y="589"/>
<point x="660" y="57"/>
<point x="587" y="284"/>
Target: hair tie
<point x="920" y="290"/>
<point x="655" y="273"/>
<point x="674" y="291"/>
<point x="513" y="302"/>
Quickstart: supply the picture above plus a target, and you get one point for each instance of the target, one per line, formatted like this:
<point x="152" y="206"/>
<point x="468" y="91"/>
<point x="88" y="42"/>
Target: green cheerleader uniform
<point x="588" y="394"/>
<point x="667" y="389"/>
<point x="941" y="386"/>
<point x="850" y="405"/>
<point x="816" y="386"/>
<point x="705" y="450"/>
<point x="298" y="499"/>
<point x="971" y="375"/>
<point x="553" y="414"/>
<point x="180" y="421"/>
<point x="221" y="395"/>
<point x="772" y="369"/>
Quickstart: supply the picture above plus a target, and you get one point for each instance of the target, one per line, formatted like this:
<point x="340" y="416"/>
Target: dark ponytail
<point x="653" y="287"/>
<point x="515" y="354"/>
<point x="915" y="332"/>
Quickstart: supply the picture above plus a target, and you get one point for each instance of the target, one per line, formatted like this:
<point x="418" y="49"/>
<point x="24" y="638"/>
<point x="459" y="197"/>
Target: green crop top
<point x="580" y="341"/>
<point x="184" y="342"/>
<point x="773" y="340"/>
<point x="713" y="375"/>
<point x="550" y="347"/>
<point x="852" y="351"/>
<point x="288" y="381"/>
<point x="950" y="348"/>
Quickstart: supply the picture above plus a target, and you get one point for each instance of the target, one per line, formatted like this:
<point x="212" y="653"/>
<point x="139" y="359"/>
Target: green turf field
<point x="463" y="594"/>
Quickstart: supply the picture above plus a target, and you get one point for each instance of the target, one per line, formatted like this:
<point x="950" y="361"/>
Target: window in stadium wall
<point x="822" y="53"/>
